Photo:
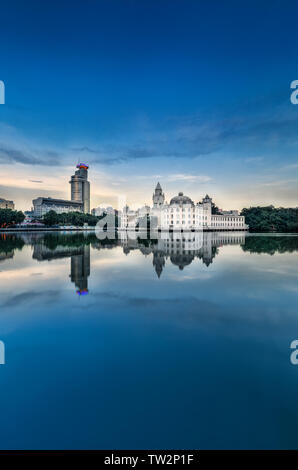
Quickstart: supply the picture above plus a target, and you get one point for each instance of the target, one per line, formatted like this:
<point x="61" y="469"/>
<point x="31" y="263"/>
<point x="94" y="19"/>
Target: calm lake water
<point x="181" y="342"/>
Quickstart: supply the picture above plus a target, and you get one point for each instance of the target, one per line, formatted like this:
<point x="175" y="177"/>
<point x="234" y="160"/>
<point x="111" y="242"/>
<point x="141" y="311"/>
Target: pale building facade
<point x="42" y="205"/>
<point x="181" y="214"/>
<point x="4" y="204"/>
<point x="98" y="211"/>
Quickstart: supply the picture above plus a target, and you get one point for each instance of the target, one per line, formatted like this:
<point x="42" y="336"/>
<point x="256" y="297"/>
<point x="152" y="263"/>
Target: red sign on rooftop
<point x="82" y="166"/>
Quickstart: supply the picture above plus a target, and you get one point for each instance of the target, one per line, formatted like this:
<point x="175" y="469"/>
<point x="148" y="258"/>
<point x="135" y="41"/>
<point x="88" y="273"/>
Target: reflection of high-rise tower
<point x="80" y="187"/>
<point x="158" y="196"/>
<point x="80" y="270"/>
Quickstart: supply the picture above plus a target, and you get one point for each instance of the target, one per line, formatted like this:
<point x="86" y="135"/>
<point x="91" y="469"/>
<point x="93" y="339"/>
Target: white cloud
<point x="190" y="178"/>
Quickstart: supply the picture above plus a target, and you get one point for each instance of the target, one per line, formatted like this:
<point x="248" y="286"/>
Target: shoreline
<point x="93" y="229"/>
<point x="50" y="229"/>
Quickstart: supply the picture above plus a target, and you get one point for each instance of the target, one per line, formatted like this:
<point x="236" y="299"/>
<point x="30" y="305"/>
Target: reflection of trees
<point x="53" y="240"/>
<point x="178" y="249"/>
<point x="270" y="245"/>
<point x="10" y="242"/>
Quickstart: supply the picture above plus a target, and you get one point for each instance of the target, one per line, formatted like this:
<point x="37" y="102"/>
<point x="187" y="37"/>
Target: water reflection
<point x="52" y="247"/>
<point x="271" y="244"/>
<point x="181" y="249"/>
<point x="177" y="248"/>
<point x="182" y="342"/>
<point x="8" y="245"/>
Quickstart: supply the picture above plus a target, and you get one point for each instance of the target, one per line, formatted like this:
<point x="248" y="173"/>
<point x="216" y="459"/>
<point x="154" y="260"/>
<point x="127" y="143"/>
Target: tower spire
<point x="158" y="196"/>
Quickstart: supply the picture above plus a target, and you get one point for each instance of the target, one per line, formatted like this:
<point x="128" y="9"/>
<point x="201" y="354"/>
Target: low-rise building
<point x="4" y="204"/>
<point x="42" y="205"/>
<point x="98" y="211"/>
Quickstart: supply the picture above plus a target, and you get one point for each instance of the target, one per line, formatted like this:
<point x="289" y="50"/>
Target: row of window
<point x="229" y="219"/>
<point x="235" y="224"/>
<point x="189" y="217"/>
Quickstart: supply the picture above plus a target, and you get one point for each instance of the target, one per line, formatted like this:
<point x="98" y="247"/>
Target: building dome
<point x="181" y="199"/>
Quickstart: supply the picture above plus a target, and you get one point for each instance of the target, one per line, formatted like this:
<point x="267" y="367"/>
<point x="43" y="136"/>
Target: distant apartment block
<point x="98" y="211"/>
<point x="4" y="204"/>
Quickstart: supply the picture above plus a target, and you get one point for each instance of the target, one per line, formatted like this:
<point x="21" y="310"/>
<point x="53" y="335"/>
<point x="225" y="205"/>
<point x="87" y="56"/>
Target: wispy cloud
<point x="198" y="135"/>
<point x="189" y="178"/>
<point x="9" y="155"/>
<point x="253" y="159"/>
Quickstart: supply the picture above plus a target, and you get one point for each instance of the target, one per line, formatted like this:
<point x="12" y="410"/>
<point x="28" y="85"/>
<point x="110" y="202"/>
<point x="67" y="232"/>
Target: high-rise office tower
<point x="80" y="187"/>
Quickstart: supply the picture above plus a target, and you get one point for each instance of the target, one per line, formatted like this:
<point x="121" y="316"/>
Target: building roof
<point x="4" y="200"/>
<point x="181" y="199"/>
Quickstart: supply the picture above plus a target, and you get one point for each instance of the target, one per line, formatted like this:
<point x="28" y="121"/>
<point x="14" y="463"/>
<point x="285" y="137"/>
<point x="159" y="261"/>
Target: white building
<point x="181" y="214"/>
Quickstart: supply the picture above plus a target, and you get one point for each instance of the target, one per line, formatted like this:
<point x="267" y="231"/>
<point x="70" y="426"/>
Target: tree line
<point x="259" y="219"/>
<point x="51" y="218"/>
<point x="271" y="219"/>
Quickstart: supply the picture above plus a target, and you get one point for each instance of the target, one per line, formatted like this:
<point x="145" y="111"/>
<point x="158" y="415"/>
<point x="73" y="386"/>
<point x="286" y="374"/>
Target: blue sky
<point x="195" y="94"/>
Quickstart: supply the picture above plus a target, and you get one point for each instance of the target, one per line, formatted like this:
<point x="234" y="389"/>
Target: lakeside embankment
<point x="47" y="229"/>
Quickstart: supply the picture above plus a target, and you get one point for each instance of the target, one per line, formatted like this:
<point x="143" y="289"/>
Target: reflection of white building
<point x="181" y="214"/>
<point x="180" y="249"/>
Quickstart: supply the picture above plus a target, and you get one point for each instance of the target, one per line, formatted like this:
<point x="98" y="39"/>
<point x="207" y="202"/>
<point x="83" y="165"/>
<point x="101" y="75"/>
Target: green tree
<point x="51" y="218"/>
<point x="70" y="218"/>
<point x="8" y="217"/>
<point x="214" y="209"/>
<point x="271" y="219"/>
